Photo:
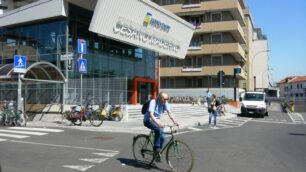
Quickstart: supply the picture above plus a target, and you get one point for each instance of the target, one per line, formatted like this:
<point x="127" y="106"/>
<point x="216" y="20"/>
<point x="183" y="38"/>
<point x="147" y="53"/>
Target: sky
<point x="284" y="23"/>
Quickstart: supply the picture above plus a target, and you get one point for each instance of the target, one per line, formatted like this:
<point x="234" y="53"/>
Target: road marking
<point x="37" y="129"/>
<point x="13" y="135"/>
<point x="225" y="125"/>
<point x="96" y="160"/>
<point x="273" y="122"/>
<point x="231" y="121"/>
<point x="2" y="140"/>
<point x="195" y="129"/>
<point x="296" y="118"/>
<point x="24" y="132"/>
<point x="106" y="154"/>
<point x="289" y="114"/>
<point x="79" y="167"/>
<point x="64" y="146"/>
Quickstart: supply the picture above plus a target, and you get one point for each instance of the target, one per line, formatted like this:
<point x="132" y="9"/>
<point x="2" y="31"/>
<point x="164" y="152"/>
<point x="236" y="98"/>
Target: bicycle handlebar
<point x="171" y="129"/>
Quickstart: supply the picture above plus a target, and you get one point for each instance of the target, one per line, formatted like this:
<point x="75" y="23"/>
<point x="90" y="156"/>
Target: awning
<point x="35" y="72"/>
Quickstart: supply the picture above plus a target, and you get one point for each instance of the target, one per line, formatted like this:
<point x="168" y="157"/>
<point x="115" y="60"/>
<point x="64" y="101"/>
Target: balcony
<point x="224" y="26"/>
<point x="201" y="71"/>
<point x="234" y="49"/>
<point x="208" y="6"/>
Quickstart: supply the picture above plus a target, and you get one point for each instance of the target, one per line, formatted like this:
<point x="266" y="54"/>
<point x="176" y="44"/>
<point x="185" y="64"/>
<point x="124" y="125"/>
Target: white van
<point x="254" y="103"/>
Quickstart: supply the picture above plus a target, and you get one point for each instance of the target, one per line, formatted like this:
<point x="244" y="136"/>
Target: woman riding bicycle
<point x="152" y="119"/>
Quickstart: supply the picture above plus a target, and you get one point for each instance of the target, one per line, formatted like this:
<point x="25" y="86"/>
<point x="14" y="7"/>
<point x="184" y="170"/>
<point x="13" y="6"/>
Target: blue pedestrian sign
<point x="82" y="65"/>
<point x="81" y="46"/>
<point x="20" y="64"/>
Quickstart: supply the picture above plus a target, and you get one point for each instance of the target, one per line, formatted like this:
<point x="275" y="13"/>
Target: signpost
<point x="236" y="71"/>
<point x="82" y="64"/>
<point x="67" y="57"/>
<point x="20" y="66"/>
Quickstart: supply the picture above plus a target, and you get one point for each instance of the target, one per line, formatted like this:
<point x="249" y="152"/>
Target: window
<point x="171" y="83"/>
<point x="163" y="62"/>
<point x="200" y="82"/>
<point x="192" y="1"/>
<point x="188" y="62"/>
<point x="199" y="62"/>
<point x="216" y="38"/>
<point x="163" y="83"/>
<point x="196" y="41"/>
<point x="167" y="2"/>
<point x="207" y="61"/>
<point x="216" y="17"/>
<point x="171" y="62"/>
<point x="188" y="82"/>
<point x="195" y="21"/>
<point x="216" y="60"/>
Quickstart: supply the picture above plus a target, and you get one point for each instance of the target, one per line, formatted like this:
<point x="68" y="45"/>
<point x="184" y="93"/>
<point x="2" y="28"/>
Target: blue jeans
<point x="158" y="133"/>
<point x="213" y="113"/>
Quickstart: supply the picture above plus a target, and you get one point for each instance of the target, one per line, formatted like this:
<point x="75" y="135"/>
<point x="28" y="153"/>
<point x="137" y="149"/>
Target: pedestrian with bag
<point x="213" y="111"/>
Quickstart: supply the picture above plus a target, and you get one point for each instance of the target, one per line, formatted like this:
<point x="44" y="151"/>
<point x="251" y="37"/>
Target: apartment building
<point x="221" y="42"/>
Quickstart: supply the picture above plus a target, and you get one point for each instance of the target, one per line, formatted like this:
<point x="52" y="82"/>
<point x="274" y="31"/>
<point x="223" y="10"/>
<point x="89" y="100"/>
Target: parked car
<point x="254" y="103"/>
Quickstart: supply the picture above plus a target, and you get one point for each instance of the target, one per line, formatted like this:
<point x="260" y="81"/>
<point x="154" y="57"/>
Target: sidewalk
<point x="130" y="126"/>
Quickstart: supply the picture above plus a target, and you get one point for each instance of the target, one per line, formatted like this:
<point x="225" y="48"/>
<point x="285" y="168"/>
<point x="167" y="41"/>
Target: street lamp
<point x="252" y="64"/>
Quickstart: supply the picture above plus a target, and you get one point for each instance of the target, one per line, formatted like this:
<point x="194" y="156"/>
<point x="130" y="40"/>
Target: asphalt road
<point x="274" y="143"/>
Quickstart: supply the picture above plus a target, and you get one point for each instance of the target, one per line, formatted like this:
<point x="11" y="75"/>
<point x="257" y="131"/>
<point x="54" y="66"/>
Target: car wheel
<point x="267" y="113"/>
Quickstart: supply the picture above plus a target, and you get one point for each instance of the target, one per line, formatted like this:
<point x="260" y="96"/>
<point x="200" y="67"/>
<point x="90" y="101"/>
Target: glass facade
<point x="111" y="65"/>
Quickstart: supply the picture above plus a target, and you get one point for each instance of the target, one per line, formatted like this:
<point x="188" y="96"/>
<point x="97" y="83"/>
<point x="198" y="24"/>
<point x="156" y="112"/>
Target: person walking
<point x="208" y="98"/>
<point x="213" y="111"/>
<point x="152" y="120"/>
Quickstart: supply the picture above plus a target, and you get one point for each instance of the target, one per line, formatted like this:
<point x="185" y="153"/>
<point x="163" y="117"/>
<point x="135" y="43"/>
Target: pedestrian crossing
<point x="180" y="111"/>
<point x="296" y="118"/>
<point x="99" y="158"/>
<point x="222" y="124"/>
<point x="24" y="132"/>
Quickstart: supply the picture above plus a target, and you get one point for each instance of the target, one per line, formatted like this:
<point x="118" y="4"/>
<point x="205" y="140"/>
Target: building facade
<point x="293" y="88"/>
<point x="260" y="61"/>
<point x="118" y="70"/>
<point x="222" y="42"/>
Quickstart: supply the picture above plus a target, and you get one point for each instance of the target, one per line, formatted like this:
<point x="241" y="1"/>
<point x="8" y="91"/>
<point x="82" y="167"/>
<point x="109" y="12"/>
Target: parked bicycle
<point x="107" y="112"/>
<point x="11" y="117"/>
<point x="178" y="154"/>
<point x="79" y="114"/>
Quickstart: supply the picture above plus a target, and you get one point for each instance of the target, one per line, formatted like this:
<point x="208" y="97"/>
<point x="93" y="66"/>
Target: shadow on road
<point x="297" y="134"/>
<point x="145" y="166"/>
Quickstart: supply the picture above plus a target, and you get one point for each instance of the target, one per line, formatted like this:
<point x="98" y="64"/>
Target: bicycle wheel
<point x="179" y="156"/>
<point x="96" y="119"/>
<point x="142" y="149"/>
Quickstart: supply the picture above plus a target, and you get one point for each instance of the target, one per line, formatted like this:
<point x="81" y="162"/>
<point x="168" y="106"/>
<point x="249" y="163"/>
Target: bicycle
<point x="107" y="112"/>
<point x="179" y="156"/>
<point x="11" y="117"/>
<point x="79" y="114"/>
